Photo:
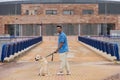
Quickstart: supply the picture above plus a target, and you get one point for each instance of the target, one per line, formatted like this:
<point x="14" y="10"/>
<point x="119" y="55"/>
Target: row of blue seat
<point x="109" y="48"/>
<point x="12" y="48"/>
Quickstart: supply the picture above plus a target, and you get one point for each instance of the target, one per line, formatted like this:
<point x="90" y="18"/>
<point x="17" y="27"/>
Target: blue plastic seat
<point x="116" y="52"/>
<point x="112" y="49"/>
<point x="103" y="47"/>
<point x="9" y="50"/>
<point x="13" y="49"/>
<point x="4" y="52"/>
<point x="107" y="48"/>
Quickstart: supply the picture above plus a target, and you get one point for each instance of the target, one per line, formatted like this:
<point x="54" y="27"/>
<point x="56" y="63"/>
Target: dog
<point x="43" y="65"/>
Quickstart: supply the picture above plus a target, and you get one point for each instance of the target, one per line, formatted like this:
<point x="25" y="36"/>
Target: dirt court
<point x="85" y="64"/>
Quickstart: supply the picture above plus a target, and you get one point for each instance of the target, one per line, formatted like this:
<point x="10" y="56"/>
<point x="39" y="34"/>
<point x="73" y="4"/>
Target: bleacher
<point x="12" y="46"/>
<point x="107" y="47"/>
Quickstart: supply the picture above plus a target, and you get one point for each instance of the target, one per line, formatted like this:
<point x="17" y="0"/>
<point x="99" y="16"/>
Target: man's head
<point x="59" y="29"/>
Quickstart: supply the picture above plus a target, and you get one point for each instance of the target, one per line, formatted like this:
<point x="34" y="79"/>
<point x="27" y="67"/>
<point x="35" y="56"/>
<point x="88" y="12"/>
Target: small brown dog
<point x="43" y="65"/>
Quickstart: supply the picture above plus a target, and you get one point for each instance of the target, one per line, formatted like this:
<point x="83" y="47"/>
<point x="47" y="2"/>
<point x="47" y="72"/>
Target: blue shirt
<point x="63" y="39"/>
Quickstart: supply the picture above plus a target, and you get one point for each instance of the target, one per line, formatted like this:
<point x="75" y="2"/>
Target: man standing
<point x="62" y="50"/>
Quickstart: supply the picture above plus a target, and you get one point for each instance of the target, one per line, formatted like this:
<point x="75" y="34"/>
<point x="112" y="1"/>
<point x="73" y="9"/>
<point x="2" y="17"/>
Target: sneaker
<point x="60" y="73"/>
<point x="68" y="73"/>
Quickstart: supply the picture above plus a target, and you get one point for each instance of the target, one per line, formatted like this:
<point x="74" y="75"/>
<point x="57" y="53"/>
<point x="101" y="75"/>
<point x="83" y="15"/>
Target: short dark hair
<point x="59" y="26"/>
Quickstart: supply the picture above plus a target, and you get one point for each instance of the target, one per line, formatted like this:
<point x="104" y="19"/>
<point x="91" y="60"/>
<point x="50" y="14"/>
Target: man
<point x="62" y="50"/>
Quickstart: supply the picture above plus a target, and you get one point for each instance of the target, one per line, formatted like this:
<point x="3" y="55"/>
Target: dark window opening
<point x="51" y="12"/>
<point x="87" y="12"/>
<point x="68" y="12"/>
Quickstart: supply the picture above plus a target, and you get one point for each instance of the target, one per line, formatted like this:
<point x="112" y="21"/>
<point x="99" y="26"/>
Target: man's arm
<point x="61" y="44"/>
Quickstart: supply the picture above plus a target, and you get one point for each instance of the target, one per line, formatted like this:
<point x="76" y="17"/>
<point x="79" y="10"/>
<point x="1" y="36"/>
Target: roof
<point x="58" y="1"/>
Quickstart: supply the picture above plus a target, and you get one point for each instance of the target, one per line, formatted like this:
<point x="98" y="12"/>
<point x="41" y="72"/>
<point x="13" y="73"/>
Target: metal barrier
<point x="109" y="48"/>
<point x="9" y="49"/>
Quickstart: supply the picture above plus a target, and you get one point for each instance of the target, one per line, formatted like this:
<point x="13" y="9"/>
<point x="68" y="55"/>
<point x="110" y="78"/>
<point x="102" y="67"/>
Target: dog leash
<point x="52" y="54"/>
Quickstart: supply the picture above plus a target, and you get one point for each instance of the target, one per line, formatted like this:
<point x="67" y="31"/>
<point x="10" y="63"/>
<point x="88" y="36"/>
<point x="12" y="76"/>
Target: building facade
<point x="38" y="19"/>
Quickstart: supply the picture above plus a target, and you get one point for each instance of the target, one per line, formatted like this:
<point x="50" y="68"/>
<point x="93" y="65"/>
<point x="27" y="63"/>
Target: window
<point x="31" y="12"/>
<point x="35" y="12"/>
<point x="109" y="8"/>
<point x="10" y="9"/>
<point x="27" y="12"/>
<point x="68" y="12"/>
<point x="51" y="12"/>
<point x="89" y="29"/>
<point x="87" y="12"/>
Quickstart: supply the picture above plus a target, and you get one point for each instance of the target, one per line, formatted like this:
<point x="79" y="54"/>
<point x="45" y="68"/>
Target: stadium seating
<point x="109" y="48"/>
<point x="14" y="48"/>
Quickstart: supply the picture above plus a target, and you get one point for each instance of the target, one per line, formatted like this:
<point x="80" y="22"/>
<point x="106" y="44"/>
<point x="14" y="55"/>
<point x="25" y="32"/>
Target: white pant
<point x="64" y="62"/>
